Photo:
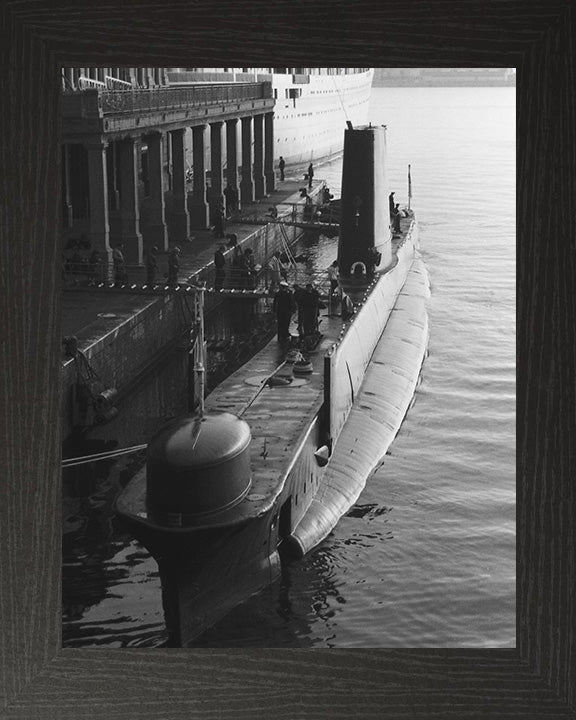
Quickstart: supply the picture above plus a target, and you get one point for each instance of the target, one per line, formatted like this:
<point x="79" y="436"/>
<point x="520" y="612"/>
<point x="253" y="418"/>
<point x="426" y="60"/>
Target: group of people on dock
<point x="86" y="264"/>
<point x="235" y="268"/>
<point x="80" y="261"/>
<point x="241" y="272"/>
<point x="309" y="175"/>
<point x="152" y="266"/>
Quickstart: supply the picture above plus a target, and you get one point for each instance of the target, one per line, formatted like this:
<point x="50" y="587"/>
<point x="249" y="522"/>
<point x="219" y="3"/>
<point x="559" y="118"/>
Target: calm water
<point x="427" y="556"/>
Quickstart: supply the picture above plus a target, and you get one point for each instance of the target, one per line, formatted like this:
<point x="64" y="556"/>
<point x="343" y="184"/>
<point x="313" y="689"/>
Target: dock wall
<point x="120" y="353"/>
<point x="121" y="350"/>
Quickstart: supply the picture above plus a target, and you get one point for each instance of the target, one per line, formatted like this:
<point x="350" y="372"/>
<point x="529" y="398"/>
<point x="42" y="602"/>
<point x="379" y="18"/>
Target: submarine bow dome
<point x="196" y="466"/>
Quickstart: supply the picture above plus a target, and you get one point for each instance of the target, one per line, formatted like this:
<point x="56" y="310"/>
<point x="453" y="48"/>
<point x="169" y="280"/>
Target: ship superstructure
<point x="312" y="105"/>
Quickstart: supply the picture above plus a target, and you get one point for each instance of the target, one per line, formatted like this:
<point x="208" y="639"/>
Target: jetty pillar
<point x="365" y="235"/>
<point x="112" y="154"/>
<point x="99" y="225"/>
<point x="197" y="205"/>
<point x="232" y="155"/>
<point x="258" y="173"/>
<point x="269" y="153"/>
<point x="216" y="165"/>
<point x="155" y="231"/>
<point x="247" y="182"/>
<point x="128" y="223"/>
<point x="179" y="221"/>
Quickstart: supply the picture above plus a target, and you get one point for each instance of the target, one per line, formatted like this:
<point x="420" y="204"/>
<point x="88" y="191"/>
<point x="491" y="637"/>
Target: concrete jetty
<point x="120" y="332"/>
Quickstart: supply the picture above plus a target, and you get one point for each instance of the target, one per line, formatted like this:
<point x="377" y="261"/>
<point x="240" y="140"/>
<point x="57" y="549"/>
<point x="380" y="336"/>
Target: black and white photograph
<point x="288" y="357"/>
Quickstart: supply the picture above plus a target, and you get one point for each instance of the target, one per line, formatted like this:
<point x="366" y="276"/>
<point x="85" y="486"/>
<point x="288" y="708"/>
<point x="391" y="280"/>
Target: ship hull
<point x="311" y="109"/>
<point x="310" y="127"/>
<point x="369" y="383"/>
<point x="377" y="408"/>
<point x="208" y="570"/>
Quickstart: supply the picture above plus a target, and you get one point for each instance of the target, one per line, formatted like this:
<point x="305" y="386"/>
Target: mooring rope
<point x="111" y="454"/>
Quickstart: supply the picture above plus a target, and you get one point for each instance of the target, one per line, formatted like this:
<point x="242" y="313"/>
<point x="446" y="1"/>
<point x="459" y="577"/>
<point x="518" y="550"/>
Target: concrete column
<point x="197" y="206"/>
<point x="179" y="224"/>
<point x="216" y="165"/>
<point x="155" y="232"/>
<point x="99" y="226"/>
<point x="269" y="152"/>
<point x="247" y="183"/>
<point x="259" y="188"/>
<point x="232" y="154"/>
<point x="129" y="206"/>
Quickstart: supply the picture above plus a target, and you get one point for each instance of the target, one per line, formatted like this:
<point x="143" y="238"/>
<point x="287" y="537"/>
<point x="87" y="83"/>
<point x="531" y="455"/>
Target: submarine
<point x="275" y="457"/>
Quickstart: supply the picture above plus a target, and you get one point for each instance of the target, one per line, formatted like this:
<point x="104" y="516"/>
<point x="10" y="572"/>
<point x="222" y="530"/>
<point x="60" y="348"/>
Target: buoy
<point x="197" y="466"/>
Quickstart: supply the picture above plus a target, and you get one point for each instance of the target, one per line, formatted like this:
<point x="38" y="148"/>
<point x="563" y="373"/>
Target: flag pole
<point x="409" y="187"/>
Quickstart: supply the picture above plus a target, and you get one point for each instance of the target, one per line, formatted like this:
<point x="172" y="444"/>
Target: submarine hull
<point x="313" y="443"/>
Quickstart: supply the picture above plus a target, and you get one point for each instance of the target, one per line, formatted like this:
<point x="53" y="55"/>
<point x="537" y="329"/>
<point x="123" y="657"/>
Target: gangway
<point x="298" y="215"/>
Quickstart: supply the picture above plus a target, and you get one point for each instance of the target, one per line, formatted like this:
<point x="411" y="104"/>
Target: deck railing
<point x="130" y="101"/>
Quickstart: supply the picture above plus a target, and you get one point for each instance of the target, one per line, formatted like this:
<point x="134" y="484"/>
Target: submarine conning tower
<point x="365" y="235"/>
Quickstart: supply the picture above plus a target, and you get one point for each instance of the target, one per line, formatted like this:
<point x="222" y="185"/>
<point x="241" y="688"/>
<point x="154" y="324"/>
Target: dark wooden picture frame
<point x="39" y="679"/>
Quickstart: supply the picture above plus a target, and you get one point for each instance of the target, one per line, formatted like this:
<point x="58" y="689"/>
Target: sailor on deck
<point x="309" y="304"/>
<point x="283" y="307"/>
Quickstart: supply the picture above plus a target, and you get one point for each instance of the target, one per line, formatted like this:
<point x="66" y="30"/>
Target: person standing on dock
<point x="281" y="166"/>
<point x="120" y="274"/>
<point x="219" y="221"/>
<point x="236" y="262"/>
<point x="95" y="265"/>
<point x="275" y="268"/>
<point x="220" y="267"/>
<point x="249" y="269"/>
<point x="310" y="174"/>
<point x="173" y="265"/>
<point x="151" y="265"/>
<point x="231" y="197"/>
<point x="283" y="306"/>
